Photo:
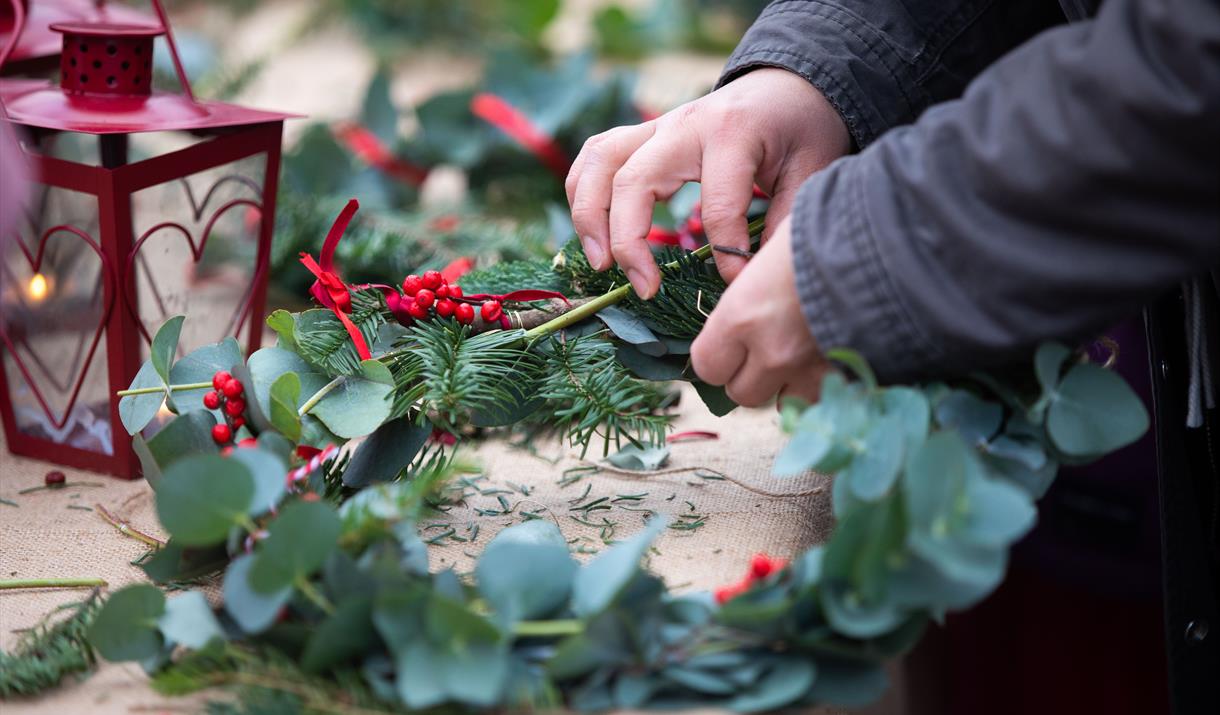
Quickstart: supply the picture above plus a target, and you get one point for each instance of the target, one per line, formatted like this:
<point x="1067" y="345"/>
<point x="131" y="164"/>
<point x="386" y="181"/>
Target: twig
<point x="58" y="487"/>
<point x="317" y="396"/>
<point x="15" y="583"/>
<point x="127" y="529"/>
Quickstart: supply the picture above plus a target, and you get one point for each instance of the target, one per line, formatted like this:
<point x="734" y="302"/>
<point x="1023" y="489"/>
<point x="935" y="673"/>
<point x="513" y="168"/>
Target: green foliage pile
<point x="51" y="651"/>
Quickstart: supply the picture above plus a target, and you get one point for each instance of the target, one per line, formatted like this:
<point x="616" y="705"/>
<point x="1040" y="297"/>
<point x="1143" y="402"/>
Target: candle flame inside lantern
<point x="38" y="287"/>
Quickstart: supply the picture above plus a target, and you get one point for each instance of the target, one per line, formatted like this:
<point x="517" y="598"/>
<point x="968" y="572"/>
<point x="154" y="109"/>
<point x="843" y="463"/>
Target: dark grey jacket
<point x="1002" y="197"/>
<point x="1074" y="179"/>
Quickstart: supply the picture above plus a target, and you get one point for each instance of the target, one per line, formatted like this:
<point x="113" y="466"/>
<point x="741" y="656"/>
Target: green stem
<point x="173" y="388"/>
<point x="308" y="590"/>
<point x="14" y="583"/>
<point x="317" y="396"/>
<point x="545" y="629"/>
<point x="602" y="301"/>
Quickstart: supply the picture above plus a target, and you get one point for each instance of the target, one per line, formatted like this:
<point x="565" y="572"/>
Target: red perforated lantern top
<point x="106" y="88"/>
<point x="39" y="41"/>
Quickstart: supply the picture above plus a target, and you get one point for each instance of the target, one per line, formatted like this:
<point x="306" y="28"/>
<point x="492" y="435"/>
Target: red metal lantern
<point x="174" y="215"/>
<point x="38" y="45"/>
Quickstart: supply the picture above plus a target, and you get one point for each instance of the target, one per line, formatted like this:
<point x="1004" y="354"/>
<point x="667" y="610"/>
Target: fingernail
<point x="637" y="282"/>
<point x="593" y="251"/>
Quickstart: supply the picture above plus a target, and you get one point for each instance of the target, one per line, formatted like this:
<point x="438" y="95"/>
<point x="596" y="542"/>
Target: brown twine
<point x="721" y="475"/>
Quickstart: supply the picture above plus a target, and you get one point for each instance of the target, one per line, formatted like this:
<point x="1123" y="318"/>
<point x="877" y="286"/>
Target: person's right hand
<point x="769" y="127"/>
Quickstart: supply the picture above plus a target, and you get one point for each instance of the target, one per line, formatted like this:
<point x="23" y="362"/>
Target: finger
<point x="661" y="166"/>
<point x="715" y="355"/>
<point x="591" y="189"/>
<point x="754" y="383"/>
<point x="726" y="189"/>
<point x="778" y="210"/>
<point x="806" y="386"/>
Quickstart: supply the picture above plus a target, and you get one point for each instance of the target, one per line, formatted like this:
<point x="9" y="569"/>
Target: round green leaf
<point x="126" y="627"/>
<point x="199" y="366"/>
<point x="165" y="345"/>
<point x="136" y="411"/>
<point x="188" y="620"/>
<point x="601" y="580"/>
<point x="359" y="404"/>
<point x="1093" y="412"/>
<point x="267" y="471"/>
<point x="873" y="471"/>
<point x="525" y="580"/>
<point x="297" y="544"/>
<point x="202" y="496"/>
<point x="789" y="680"/>
<point x="253" y="611"/>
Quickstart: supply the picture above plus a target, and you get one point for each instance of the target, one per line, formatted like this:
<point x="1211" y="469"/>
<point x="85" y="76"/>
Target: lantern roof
<point x="39" y="41"/>
<point x="105" y="87"/>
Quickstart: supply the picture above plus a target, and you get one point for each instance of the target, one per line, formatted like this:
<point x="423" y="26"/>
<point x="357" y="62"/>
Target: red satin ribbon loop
<point x="512" y="121"/>
<point x="329" y="289"/>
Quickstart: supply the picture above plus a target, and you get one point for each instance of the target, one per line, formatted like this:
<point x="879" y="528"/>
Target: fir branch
<point x="514" y="275"/>
<point x="588" y="393"/>
<point x="49" y="652"/>
<point x="324" y="343"/>
<point x="450" y="373"/>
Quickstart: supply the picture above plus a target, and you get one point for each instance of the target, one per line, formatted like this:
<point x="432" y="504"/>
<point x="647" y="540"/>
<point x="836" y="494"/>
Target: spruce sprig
<point x="324" y="342"/>
<point x="50" y="652"/>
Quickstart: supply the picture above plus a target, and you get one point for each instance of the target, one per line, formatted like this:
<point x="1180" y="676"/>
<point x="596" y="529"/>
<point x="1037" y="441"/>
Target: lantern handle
<point x="173" y="49"/>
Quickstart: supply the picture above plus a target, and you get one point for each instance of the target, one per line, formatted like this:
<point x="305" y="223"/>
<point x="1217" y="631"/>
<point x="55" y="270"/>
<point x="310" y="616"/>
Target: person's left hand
<point x="756" y="342"/>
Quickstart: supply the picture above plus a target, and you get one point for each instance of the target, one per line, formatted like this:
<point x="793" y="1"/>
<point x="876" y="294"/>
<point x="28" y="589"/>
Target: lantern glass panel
<point x="195" y="251"/>
<point x="53" y="304"/>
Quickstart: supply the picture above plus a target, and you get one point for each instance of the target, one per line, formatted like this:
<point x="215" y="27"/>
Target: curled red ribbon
<point x="500" y="114"/>
<point x="329" y="289"/>
<point x="362" y="142"/>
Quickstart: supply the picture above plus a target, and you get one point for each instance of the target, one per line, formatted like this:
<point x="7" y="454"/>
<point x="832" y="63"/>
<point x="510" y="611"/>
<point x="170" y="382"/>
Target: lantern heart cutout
<point x="241" y="311"/>
<point x="27" y="359"/>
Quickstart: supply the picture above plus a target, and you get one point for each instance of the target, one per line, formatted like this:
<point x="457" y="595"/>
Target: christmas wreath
<point x="328" y="600"/>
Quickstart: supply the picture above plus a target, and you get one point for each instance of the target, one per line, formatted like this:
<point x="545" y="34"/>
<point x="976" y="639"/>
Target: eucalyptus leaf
<point x="855" y="362"/>
<point x="788" y="681"/>
<point x="631" y="330"/>
<point x="126" y="627"/>
<point x="640" y="459"/>
<point x="358" y="404"/>
<point x="714" y="397"/>
<point x="599" y="582"/>
<point x="1093" y="412"/>
<point x="254" y="611"/>
<point x="268" y="365"/>
<point x="136" y="411"/>
<point x="198" y="366"/>
<point x="343" y="636"/>
<point x="165" y="345"/>
<point x="188" y="620"/>
<point x="185" y="435"/>
<point x="284" y="324"/>
<point x="648" y="367"/>
<point x="297" y="544"/>
<point x="975" y="419"/>
<point x="390" y="448"/>
<point x="525" y="579"/>
<point x="873" y="471"/>
<point x="283" y="396"/>
<point x="202" y="496"/>
<point x="267" y="471"/>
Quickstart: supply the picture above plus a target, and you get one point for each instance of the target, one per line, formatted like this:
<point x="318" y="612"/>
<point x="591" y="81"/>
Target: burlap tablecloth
<point x="744" y="513"/>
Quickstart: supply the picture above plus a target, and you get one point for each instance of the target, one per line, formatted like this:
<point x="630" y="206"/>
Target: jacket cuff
<point x="846" y="294"/>
<point x="841" y="57"/>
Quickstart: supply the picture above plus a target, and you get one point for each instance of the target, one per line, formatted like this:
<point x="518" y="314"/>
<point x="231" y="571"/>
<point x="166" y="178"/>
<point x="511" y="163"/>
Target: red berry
<point x="248" y="442"/>
<point x="55" y="479"/>
<point x="238" y="422"/>
<point x="310" y="496"/>
<point x="425" y="298"/>
<point x="233" y="388"/>
<point x="491" y="310"/>
<point x="220" y="378"/>
<point x="411" y="284"/>
<point x="235" y="407"/>
<point x="212" y="400"/>
<point x="444" y="308"/>
<point x="455" y="291"/>
<point x="226" y="451"/>
<point x="443" y="291"/>
<point x="433" y="280"/>
<point x="222" y="434"/>
<point x="464" y="313"/>
<point x="417" y="311"/>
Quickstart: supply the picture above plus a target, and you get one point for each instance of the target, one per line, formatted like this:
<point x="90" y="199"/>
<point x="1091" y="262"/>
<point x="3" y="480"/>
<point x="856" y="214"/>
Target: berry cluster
<point x="430" y="294"/>
<point x="228" y="395"/>
<point x="761" y="566"/>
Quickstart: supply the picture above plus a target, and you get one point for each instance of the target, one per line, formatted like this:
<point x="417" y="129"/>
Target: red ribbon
<point x="329" y="289"/>
<point x="457" y="268"/>
<point x="500" y="114"/>
<point x="523" y="296"/>
<point x="362" y="142"/>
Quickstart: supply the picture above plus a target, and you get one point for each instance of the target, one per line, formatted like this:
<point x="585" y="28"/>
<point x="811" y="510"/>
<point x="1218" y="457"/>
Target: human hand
<point x="756" y="342"/>
<point x="769" y="126"/>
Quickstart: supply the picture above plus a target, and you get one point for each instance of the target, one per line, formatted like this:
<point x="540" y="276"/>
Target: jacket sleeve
<point x="1073" y="181"/>
<point x="880" y="63"/>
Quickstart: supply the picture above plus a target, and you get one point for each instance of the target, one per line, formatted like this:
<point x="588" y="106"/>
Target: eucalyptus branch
<point x="162" y="388"/>
<point x="317" y="396"/>
<point x="16" y="583"/>
<point x="548" y="629"/>
<point x="315" y="596"/>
